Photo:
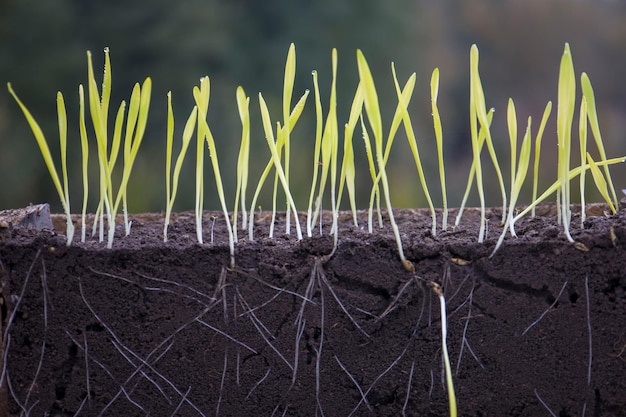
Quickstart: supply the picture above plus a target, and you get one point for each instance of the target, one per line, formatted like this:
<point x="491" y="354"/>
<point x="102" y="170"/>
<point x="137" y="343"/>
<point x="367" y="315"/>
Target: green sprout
<point x="564" y="118"/>
<point x="319" y="116"/>
<point x="85" y="159"/>
<point x="243" y="105"/>
<point x="135" y="129"/>
<point x="410" y="135"/>
<point x="582" y="132"/>
<point x="570" y="176"/>
<point x="288" y="82"/>
<point x="518" y="170"/>
<point x="328" y="147"/>
<point x="372" y="109"/>
<point x="601" y="183"/>
<point x="275" y="161"/>
<point x="479" y="115"/>
<point x="276" y="147"/>
<point x="205" y="92"/>
<point x="595" y="130"/>
<point x="434" y="92"/>
<point x="201" y="96"/>
<point x="348" y="172"/>
<point x="171" y="190"/>
<point x="62" y="190"/>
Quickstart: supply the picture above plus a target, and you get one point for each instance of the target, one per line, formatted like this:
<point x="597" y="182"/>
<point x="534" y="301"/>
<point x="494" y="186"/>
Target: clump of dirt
<point x="161" y="329"/>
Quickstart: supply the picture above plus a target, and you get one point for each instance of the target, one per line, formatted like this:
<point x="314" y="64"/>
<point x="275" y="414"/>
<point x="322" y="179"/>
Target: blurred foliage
<point x="245" y="42"/>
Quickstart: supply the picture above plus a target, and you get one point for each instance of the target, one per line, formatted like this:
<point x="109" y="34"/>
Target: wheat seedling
<point x="201" y="96"/>
<point x="595" y="130"/>
<point x="243" y="104"/>
<point x="370" y="102"/>
<point x="62" y="190"/>
<point x="410" y="135"/>
<point x="582" y="133"/>
<point x="434" y="92"/>
<point x="172" y="189"/>
<point x="518" y="170"/>
<point x="479" y="115"/>
<point x="135" y="129"/>
<point x="293" y="119"/>
<point x="275" y="161"/>
<point x="85" y="159"/>
<point x="205" y="92"/>
<point x="564" y="118"/>
<point x="348" y="172"/>
<point x="328" y="148"/>
<point x="319" y="122"/>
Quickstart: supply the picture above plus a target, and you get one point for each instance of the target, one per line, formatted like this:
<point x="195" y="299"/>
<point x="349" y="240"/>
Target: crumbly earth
<point x="163" y="329"/>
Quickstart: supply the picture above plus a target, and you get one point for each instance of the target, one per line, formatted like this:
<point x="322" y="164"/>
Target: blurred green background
<point x="245" y="42"/>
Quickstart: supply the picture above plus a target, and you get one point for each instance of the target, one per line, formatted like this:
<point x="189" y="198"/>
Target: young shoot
<point x="85" y="159"/>
<point x="135" y="129"/>
<point x="410" y="135"/>
<point x="293" y="119"/>
<point x="479" y="115"/>
<point x="62" y="190"/>
<point x="329" y="149"/>
<point x="269" y="136"/>
<point x="172" y="189"/>
<point x="319" y="121"/>
<point x="434" y="92"/>
<point x="564" y="119"/>
<point x="556" y="186"/>
<point x="582" y="133"/>
<point x="205" y="132"/>
<point x="205" y="93"/>
<point x="243" y="105"/>
<point x="595" y="130"/>
<point x="372" y="109"/>
<point x="519" y="171"/>
<point x="348" y="172"/>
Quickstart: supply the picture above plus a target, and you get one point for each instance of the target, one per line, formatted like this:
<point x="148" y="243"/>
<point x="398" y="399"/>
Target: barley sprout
<point x="172" y="189"/>
<point x="565" y="116"/>
<point x="347" y="166"/>
<point x="85" y="158"/>
<point x="310" y="220"/>
<point x="434" y="92"/>
<point x="62" y="190"/>
<point x="570" y="176"/>
<point x="600" y="182"/>
<point x="289" y="79"/>
<point x="519" y="171"/>
<point x="205" y="133"/>
<point x="269" y="136"/>
<point x="370" y="102"/>
<point x="582" y="132"/>
<point x="595" y="130"/>
<point x="243" y="104"/>
<point x="410" y="135"/>
<point x="329" y="149"/>
<point x="479" y="115"/>
<point x="204" y="92"/>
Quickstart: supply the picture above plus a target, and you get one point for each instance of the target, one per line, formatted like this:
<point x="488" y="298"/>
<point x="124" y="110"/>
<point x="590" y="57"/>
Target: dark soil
<point x="158" y="329"/>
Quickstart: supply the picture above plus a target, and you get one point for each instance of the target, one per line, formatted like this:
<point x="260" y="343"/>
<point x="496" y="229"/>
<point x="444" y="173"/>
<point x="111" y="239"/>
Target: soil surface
<point x="163" y="329"/>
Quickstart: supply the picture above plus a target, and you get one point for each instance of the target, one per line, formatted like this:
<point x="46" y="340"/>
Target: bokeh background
<point x="245" y="42"/>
